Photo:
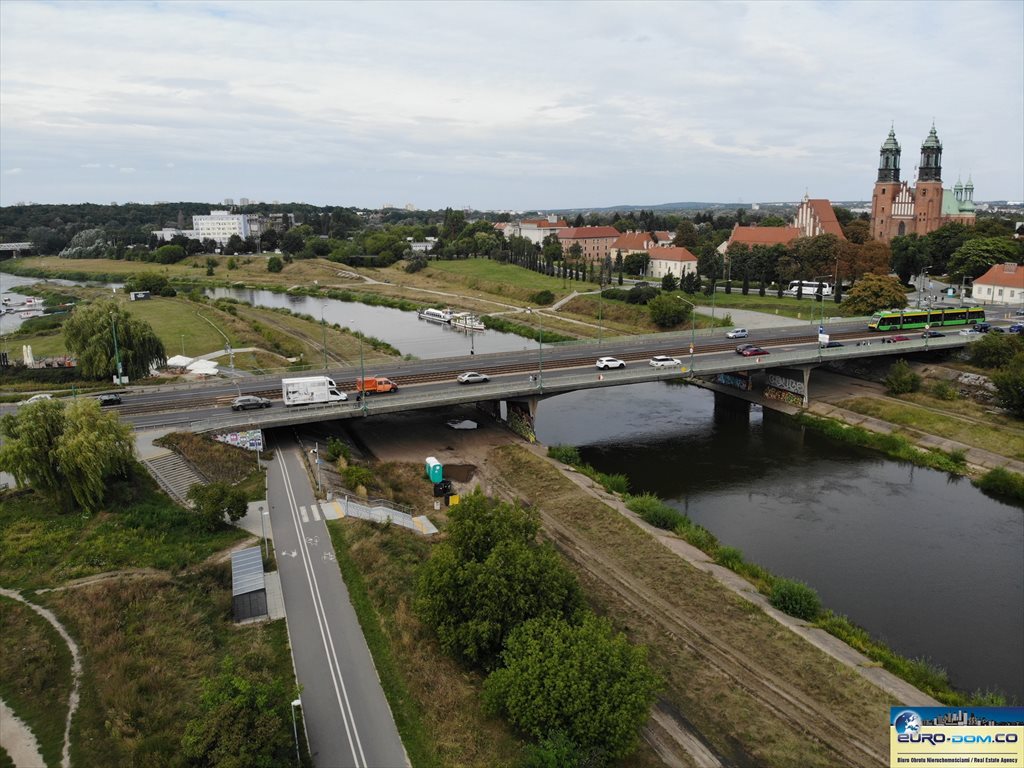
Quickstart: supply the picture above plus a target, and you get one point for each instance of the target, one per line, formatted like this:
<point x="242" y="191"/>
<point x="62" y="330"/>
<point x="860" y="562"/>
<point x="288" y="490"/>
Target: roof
<point x="541" y="223"/>
<point x="763" y="235"/>
<point x="827" y="217"/>
<point x="633" y="241"/>
<point x="1007" y="275"/>
<point x="671" y="253"/>
<point x="953" y="207"/>
<point x="246" y="571"/>
<point x="581" y="233"/>
<point x="664" y="236"/>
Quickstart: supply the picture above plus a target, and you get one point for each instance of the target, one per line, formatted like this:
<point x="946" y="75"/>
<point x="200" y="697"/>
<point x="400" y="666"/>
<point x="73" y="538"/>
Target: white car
<point x="37" y="398"/>
<point x="969" y="332"/>
<point x="472" y="377"/>
<point x="664" y="361"/>
<point x="737" y="333"/>
<point x="603" y="363"/>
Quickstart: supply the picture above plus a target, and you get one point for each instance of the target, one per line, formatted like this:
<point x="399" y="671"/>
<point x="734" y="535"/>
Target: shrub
<point x="415" y="264"/>
<point x="795" y="598"/>
<point x="274" y="264"/>
<point x="655" y="512"/>
<point x="901" y="379"/>
<point x="543" y="298"/>
<point x="1002" y="483"/>
<point x="700" y="537"/>
<point x="355" y="476"/>
<point x="567" y="454"/>
<point x="945" y="391"/>
<point x="729" y="557"/>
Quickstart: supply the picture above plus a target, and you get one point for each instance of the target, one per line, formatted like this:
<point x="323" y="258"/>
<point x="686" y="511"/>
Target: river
<point x="923" y="561"/>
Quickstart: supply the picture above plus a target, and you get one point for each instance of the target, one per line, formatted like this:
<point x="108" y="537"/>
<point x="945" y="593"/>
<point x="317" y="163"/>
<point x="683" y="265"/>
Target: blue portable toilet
<point x="434" y="470"/>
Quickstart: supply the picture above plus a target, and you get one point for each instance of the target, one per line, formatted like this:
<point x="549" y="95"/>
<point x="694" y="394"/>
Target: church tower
<point x="887" y="189"/>
<point x="928" y="193"/>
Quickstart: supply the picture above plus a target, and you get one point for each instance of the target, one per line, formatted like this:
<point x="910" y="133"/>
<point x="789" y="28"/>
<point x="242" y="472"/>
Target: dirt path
<point x="18" y="741"/>
<point x="76" y="679"/>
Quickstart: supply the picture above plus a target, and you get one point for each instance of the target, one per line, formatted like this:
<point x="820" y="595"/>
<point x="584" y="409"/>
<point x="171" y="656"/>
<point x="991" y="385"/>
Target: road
<point x="347" y="718"/>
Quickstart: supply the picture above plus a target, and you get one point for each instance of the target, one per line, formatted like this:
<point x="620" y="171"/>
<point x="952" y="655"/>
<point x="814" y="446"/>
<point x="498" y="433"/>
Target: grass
<point x="527" y="331"/>
<point x="35" y="674"/>
<point x="216" y="461"/>
<point x="567" y="454"/>
<point x="1007" y="442"/>
<point x="505" y="280"/>
<point x="1002" y="484"/>
<point x="141" y="528"/>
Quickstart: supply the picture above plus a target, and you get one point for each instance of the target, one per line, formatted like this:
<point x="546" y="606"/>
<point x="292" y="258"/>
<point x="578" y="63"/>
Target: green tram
<point x="908" y="319"/>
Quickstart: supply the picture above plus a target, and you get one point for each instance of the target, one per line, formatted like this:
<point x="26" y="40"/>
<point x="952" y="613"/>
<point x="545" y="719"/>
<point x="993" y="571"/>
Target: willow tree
<point x="68" y="453"/>
<point x="89" y="335"/>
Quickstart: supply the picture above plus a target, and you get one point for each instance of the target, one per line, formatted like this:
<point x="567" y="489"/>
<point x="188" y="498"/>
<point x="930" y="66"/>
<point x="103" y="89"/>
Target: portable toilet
<point x="434" y="470"/>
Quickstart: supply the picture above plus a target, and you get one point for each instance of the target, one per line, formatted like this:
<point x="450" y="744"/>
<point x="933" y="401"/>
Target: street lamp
<point x="295" y="730"/>
<point x="324" y="327"/>
<point x="540" y="346"/>
<point x="927" y="328"/>
<point x="920" y="284"/>
<point x="963" y="280"/>
<point x="117" y="355"/>
<point x="693" y="328"/>
<point x="361" y="394"/>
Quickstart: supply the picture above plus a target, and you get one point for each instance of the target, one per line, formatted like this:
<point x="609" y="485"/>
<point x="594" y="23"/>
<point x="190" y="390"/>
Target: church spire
<point x="889" y="159"/>
<point x="931" y="158"/>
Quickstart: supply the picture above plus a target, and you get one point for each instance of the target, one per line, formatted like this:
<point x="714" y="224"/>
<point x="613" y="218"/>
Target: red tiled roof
<point x="671" y="253"/>
<point x="823" y="210"/>
<point x="581" y="233"/>
<point x="763" y="235"/>
<point x="633" y="241"/>
<point x="545" y="223"/>
<point x="664" y="236"/>
<point x="1008" y="275"/>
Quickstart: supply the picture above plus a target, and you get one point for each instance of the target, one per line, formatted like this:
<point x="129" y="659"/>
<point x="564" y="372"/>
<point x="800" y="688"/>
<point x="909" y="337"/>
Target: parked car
<point x="37" y="398"/>
<point x="603" y="363"/>
<point x="245" y="402"/>
<point x="830" y="344"/>
<point x="737" y="333"/>
<point x="664" y="361"/>
<point x="1016" y="328"/>
<point x="110" y="399"/>
<point x="894" y="339"/>
<point x="969" y="331"/>
<point x="472" y="377"/>
<point x="753" y="351"/>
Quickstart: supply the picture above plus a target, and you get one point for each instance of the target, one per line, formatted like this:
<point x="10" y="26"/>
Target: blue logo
<point x="908" y="722"/>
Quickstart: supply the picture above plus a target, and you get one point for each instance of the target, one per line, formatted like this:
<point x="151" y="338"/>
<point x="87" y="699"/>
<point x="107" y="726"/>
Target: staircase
<point x="174" y="475"/>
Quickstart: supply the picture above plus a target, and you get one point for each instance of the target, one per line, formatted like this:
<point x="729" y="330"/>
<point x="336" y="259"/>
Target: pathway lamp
<point x="963" y="281"/>
<point x="540" y="346"/>
<point x="295" y="730"/>
<point x="693" y="328"/>
<point x="361" y="394"/>
<point x="920" y="284"/>
<point x="117" y="355"/>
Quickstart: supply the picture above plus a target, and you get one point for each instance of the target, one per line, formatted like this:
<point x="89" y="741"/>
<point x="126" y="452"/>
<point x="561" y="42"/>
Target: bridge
<point x="783" y="373"/>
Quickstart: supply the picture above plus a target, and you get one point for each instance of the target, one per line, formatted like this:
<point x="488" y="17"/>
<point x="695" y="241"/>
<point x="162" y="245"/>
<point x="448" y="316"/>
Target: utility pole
<point x="117" y="355"/>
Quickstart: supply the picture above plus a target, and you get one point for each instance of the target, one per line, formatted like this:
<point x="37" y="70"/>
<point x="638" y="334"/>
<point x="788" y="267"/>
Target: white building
<point x="1002" y="284"/>
<point x="220" y="226"/>
<point x="678" y="261"/>
<point x="167" y="233"/>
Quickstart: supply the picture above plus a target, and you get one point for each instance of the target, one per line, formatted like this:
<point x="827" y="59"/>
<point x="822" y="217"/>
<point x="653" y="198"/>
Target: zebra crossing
<point x="348" y="507"/>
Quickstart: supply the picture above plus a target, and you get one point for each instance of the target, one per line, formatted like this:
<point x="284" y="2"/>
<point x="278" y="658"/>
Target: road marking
<point x="340" y="692"/>
<point x="302" y="511"/>
<point x="315" y="510"/>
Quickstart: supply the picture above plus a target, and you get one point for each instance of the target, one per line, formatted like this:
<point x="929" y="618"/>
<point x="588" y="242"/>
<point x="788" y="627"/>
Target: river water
<point x="924" y="562"/>
<point x="927" y="564"/>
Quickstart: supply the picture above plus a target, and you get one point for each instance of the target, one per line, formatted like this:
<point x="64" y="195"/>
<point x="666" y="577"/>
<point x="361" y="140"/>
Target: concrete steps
<point x="174" y="475"/>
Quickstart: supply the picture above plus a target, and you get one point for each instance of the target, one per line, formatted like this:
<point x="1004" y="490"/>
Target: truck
<point x="311" y="389"/>
<point x="375" y="384"/>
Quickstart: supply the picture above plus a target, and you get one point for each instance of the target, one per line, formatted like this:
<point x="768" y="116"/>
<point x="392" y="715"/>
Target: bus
<point x="810" y="288"/>
<point x="908" y="319"/>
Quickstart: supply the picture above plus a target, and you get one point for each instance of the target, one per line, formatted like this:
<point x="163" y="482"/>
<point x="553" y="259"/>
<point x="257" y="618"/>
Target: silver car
<point x="664" y="361"/>
<point x="245" y="402"/>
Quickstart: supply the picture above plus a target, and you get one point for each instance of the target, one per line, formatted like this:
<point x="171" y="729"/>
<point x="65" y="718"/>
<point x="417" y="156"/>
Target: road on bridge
<point x="347" y="718"/>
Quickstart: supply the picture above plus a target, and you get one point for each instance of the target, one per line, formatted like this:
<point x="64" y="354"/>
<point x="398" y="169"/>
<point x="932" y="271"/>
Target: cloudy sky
<point x="501" y="105"/>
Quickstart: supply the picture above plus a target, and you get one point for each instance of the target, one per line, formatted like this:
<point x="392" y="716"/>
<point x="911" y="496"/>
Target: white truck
<point x="311" y="389"/>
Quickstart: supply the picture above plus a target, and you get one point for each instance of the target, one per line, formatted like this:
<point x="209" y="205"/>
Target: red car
<point x="894" y="339"/>
<point x="753" y="352"/>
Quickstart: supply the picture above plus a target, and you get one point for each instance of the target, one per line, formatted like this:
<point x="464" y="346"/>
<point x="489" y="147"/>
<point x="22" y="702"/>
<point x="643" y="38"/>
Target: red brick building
<point x="596" y="242"/>
<point x="899" y="209"/>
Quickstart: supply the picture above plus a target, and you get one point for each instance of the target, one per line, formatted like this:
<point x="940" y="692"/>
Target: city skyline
<point x="501" y="106"/>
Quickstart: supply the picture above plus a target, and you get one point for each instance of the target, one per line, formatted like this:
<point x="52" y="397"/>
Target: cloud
<point x="12" y="171"/>
<point x="126" y="169"/>
<point x="90" y="165"/>
<point x="169" y="165"/>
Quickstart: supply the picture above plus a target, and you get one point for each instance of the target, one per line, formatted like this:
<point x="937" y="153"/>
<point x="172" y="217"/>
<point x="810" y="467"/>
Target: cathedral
<point x="899" y="209"/>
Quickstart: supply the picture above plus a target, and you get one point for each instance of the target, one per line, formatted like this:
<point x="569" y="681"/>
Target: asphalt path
<point x="347" y="718"/>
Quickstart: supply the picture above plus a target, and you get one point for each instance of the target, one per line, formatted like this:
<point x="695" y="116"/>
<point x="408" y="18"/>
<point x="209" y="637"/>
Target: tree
<point x="843" y="215"/>
<point x="274" y="264"/>
<point x="46" y="241"/>
<point x="996" y="350"/>
<point x="773" y="221"/>
<point x="872" y="293"/>
<point x="292" y="242"/>
<point x="669" y="282"/>
<point x="857" y="231"/>
<point x="215" y="501"/>
<point x="169" y="254"/>
<point x="584" y="681"/>
<point x="87" y="244"/>
<point x="686" y="235"/>
<point x="975" y="257"/>
<point x="944" y="242"/>
<point x="636" y="263"/>
<point x="243" y="720"/>
<point x="909" y="256"/>
<point x="89" y="337"/>
<point x="66" y="453"/>
<point x="269" y="240"/>
<point x="668" y="311"/>
<point x="488" y="577"/>
<point x="155" y="283"/>
<point x="902" y="379"/>
<point x="1009" y="384"/>
<point x="709" y="263"/>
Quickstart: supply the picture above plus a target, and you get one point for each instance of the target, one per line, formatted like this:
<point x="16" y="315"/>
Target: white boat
<point x="31" y="313"/>
<point x="467" y="322"/>
<point x="436" y="315"/>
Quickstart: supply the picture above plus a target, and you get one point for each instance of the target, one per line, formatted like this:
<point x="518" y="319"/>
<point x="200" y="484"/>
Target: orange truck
<point x="375" y="384"/>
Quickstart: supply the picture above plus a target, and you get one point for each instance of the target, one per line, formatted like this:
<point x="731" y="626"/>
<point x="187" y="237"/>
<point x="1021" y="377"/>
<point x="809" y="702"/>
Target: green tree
<point x="243" y="720"/>
<point x="686" y="235"/>
<point x="843" y="215"/>
<point x="668" y="311"/>
<point x="669" y="282"/>
<point x="47" y="241"/>
<point x="89" y="337"/>
<point x="274" y="264"/>
<point x="1009" y="384"/>
<point x="872" y="293"/>
<point x="994" y="350"/>
<point x="488" y="577"/>
<point x="636" y="263"/>
<point x="169" y="254"/>
<point x="292" y="242"/>
<point x="155" y="283"/>
<point x="902" y="379"/>
<point x="214" y="502"/>
<point x="975" y="257"/>
<point x="66" y="453"/>
<point x="857" y="231"/>
<point x="584" y="681"/>
<point x="909" y="256"/>
<point x="773" y="221"/>
<point x="944" y="242"/>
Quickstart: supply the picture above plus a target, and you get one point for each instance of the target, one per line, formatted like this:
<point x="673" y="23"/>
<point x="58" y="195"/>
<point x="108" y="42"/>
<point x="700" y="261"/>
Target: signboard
<point x="250" y="440"/>
<point x="936" y="736"/>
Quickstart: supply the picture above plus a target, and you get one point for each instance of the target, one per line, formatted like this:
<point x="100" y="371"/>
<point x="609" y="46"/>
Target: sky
<point x="501" y="106"/>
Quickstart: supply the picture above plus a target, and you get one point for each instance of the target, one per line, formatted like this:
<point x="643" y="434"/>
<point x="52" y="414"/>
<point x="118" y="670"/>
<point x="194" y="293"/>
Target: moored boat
<point x="467" y="322"/>
<point x="436" y="315"/>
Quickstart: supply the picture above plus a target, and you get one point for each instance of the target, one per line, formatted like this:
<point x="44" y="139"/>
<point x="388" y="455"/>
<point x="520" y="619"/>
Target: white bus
<point x="810" y="287"/>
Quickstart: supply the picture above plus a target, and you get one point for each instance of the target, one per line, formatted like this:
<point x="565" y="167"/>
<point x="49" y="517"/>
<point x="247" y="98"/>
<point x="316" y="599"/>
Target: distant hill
<point x="694" y="206"/>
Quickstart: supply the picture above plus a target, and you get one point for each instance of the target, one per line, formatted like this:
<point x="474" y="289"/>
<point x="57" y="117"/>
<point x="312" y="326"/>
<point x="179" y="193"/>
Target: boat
<point x="31" y="313"/>
<point x="436" y="315"/>
<point x="467" y="322"/>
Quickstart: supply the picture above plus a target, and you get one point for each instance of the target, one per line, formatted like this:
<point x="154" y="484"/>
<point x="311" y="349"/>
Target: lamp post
<point x="323" y="326"/>
<point x="295" y="730"/>
<point x="693" y="328"/>
<point x="117" y="355"/>
<point x="182" y="344"/>
<point x="361" y="394"/>
<point x="540" y="347"/>
<point x="600" y="310"/>
<point x="963" y="281"/>
<point x="927" y="334"/>
<point x="920" y="284"/>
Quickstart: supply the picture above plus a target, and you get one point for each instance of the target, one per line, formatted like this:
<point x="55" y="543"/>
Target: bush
<point x="901" y="379"/>
<point x="543" y="298"/>
<point x="415" y="264"/>
<point x="656" y="512"/>
<point x="1002" y="483"/>
<point x="730" y="558"/>
<point x="795" y="598"/>
<point x="355" y="476"/>
<point x="995" y="350"/>
<point x="943" y="390"/>
<point x="274" y="264"/>
<point x="567" y="454"/>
